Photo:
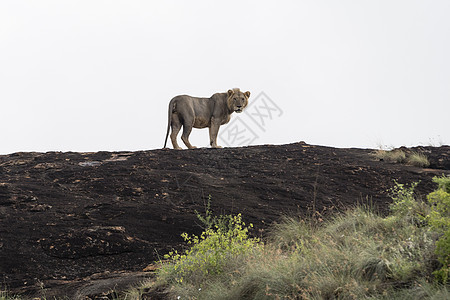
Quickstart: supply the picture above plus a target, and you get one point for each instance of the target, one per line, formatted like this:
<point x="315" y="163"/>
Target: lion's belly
<point x="201" y="122"/>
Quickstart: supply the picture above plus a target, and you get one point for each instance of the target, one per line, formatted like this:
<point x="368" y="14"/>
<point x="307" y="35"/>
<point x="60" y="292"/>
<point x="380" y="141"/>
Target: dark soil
<point x="79" y="224"/>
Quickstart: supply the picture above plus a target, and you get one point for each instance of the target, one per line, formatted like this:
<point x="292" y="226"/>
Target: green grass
<point x="357" y="254"/>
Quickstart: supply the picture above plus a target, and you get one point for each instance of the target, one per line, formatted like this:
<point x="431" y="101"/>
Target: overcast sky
<point x="98" y="75"/>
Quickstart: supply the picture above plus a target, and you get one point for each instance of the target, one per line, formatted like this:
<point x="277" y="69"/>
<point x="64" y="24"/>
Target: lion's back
<point x="196" y="105"/>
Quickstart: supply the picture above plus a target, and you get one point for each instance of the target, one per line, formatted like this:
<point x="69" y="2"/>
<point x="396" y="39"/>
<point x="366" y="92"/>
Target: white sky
<point x="98" y="75"/>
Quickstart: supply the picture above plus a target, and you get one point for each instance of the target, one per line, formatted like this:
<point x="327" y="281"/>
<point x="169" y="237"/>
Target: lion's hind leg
<point x="187" y="128"/>
<point x="176" y="127"/>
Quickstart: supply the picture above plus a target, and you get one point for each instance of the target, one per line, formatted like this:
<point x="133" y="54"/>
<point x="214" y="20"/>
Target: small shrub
<point x="439" y="217"/>
<point x="443" y="253"/>
<point x="212" y="251"/>
<point x="418" y="159"/>
<point x="404" y="203"/>
<point x="209" y="220"/>
<point x="443" y="183"/>
<point x="439" y="220"/>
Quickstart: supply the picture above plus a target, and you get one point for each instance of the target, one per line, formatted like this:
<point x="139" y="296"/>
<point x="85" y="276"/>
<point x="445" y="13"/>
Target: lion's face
<point x="237" y="100"/>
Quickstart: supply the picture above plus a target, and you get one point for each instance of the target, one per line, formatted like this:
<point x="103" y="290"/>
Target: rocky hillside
<point x="76" y="224"/>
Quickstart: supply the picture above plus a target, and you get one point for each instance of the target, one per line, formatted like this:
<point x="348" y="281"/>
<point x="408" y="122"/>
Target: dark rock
<point x="66" y="216"/>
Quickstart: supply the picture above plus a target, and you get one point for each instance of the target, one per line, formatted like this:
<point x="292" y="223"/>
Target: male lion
<point x="196" y="112"/>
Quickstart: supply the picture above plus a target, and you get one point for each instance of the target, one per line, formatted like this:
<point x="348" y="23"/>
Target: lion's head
<point x="237" y="100"/>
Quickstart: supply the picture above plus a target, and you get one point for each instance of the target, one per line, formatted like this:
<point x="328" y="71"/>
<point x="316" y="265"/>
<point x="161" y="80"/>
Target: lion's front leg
<point x="213" y="132"/>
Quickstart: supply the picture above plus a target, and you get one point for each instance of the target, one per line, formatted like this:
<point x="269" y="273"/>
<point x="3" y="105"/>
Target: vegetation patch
<point x="414" y="158"/>
<point x="353" y="255"/>
<point x="393" y="156"/>
<point x="217" y="250"/>
<point x="439" y="221"/>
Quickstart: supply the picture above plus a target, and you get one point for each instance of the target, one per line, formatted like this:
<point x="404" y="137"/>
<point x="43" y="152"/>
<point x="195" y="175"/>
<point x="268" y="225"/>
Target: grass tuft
<point x="413" y="158"/>
<point x="5" y="295"/>
<point x="418" y="159"/>
<point x="393" y="156"/>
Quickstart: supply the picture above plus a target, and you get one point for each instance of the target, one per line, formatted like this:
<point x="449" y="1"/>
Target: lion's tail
<point x="169" y="121"/>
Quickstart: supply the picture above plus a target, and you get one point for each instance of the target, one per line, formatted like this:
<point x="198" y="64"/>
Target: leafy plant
<point x="224" y="240"/>
<point x="405" y="205"/>
<point x="443" y="183"/>
<point x="443" y="253"/>
<point x="439" y="220"/>
<point x="209" y="220"/>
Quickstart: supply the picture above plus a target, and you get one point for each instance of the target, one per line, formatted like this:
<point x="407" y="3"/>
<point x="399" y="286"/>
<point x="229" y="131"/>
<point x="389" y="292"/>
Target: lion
<point x="193" y="112"/>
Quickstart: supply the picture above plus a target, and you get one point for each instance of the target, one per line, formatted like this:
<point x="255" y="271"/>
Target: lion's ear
<point x="247" y="94"/>
<point x="230" y="93"/>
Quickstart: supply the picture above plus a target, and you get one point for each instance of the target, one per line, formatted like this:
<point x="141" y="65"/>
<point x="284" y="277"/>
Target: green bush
<point x="443" y="183"/>
<point x="443" y="253"/>
<point x="439" y="220"/>
<point x="439" y="217"/>
<point x="405" y="205"/>
<point x="210" y="254"/>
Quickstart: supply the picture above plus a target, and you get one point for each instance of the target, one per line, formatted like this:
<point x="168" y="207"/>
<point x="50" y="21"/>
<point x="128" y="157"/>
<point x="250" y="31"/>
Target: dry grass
<point x="418" y="159"/>
<point x="355" y="255"/>
<point x="394" y="156"/>
<point x="413" y="158"/>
